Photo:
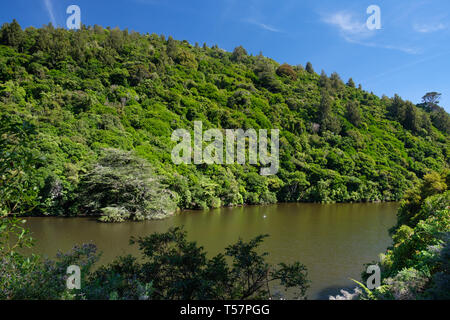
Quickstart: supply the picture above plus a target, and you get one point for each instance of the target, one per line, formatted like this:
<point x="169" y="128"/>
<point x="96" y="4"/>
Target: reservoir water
<point x="334" y="241"/>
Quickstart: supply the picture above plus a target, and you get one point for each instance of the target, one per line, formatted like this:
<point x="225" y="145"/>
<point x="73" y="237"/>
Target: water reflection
<point x="333" y="241"/>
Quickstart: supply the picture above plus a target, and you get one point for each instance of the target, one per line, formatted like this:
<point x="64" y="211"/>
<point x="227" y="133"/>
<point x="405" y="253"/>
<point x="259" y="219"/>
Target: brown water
<point x="333" y="241"/>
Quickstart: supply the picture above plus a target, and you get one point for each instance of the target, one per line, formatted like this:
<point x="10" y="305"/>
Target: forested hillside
<point x="90" y="113"/>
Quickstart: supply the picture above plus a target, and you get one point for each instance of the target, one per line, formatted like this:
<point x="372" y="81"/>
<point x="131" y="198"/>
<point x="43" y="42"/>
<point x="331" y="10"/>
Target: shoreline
<point x="183" y="211"/>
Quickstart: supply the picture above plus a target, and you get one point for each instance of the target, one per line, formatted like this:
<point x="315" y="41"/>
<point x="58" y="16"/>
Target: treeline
<point x="75" y="95"/>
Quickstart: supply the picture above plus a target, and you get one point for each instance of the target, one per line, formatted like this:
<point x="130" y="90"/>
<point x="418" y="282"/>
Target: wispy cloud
<point x="355" y="31"/>
<point x="428" y="28"/>
<point x="49" y="6"/>
<point x="405" y="49"/>
<point x="263" y="26"/>
<point x="348" y="26"/>
<point x="408" y="65"/>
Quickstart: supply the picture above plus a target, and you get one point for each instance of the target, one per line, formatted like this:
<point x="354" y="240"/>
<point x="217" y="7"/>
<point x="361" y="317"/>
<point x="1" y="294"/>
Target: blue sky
<point x="409" y="55"/>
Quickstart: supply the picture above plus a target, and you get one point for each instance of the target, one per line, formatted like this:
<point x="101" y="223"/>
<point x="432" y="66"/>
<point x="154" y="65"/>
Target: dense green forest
<point x="87" y="116"/>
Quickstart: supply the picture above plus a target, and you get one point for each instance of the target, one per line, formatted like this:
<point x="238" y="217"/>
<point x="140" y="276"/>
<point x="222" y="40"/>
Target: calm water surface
<point x="333" y="241"/>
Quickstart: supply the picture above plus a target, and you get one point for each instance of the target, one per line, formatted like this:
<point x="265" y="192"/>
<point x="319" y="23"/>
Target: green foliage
<point x="326" y="118"/>
<point x="30" y="276"/>
<point x="35" y="278"/>
<point x="285" y="70"/>
<point x="431" y="99"/>
<point x="18" y="191"/>
<point x="122" y="186"/>
<point x="12" y="34"/>
<point x="441" y="120"/>
<point x="13" y="236"/>
<point x="324" y="81"/>
<point x="417" y="265"/>
<point x="438" y="116"/>
<point x="101" y="88"/>
<point x="171" y="268"/>
<point x="172" y="48"/>
<point x="309" y="68"/>
<point x="239" y="54"/>
<point x="353" y="114"/>
<point x="179" y="269"/>
<point x="413" y="118"/>
<point x="415" y="205"/>
<point x="351" y="83"/>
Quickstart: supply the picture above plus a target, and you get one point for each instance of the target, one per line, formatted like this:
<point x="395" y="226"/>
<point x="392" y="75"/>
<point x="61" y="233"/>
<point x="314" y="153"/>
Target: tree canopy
<point x="100" y="88"/>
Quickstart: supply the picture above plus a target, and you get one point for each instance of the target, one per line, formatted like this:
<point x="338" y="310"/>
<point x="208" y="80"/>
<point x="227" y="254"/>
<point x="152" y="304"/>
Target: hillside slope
<point x="102" y="88"/>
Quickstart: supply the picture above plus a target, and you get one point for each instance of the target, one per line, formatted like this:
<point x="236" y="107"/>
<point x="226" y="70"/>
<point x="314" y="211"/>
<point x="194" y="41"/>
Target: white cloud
<point x="408" y="66"/>
<point x="428" y="28"/>
<point x="49" y="6"/>
<point x="349" y="27"/>
<point x="263" y="26"/>
<point x="405" y="49"/>
<point x="356" y="31"/>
